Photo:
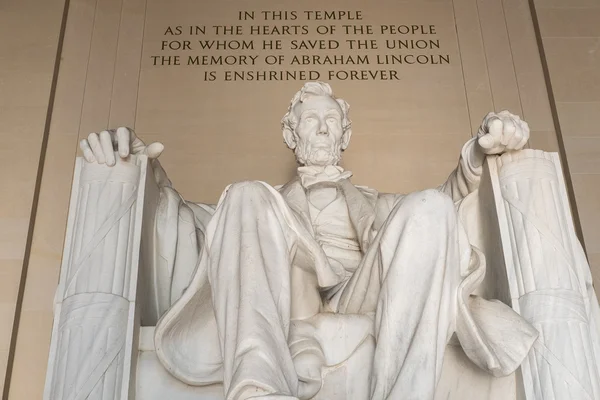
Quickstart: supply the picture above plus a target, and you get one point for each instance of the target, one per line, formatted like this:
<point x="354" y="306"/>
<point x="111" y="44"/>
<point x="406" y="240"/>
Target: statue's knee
<point x="246" y="189"/>
<point x="430" y="202"/>
<point x="245" y="185"/>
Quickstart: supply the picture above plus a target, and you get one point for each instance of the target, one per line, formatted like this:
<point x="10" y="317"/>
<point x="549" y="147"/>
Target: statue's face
<point x="319" y="131"/>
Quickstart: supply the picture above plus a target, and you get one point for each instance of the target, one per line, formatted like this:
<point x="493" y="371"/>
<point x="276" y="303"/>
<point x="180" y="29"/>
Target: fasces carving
<point x="548" y="275"/>
<point x="94" y="328"/>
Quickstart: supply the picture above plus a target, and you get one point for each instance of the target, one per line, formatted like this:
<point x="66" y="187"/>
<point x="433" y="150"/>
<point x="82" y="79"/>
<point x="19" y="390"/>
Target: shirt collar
<point x="310" y="175"/>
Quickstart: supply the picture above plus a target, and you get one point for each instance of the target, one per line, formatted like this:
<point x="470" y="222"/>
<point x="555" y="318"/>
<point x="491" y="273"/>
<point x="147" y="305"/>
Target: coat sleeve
<point x="178" y="242"/>
<point x="466" y="177"/>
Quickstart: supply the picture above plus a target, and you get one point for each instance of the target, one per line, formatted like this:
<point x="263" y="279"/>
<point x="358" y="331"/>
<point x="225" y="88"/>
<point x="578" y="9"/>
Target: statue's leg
<point x="250" y="251"/>
<point x="409" y="279"/>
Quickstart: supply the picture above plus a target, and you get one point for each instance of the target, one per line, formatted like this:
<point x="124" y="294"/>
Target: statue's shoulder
<point x="367" y="191"/>
<point x="285" y="187"/>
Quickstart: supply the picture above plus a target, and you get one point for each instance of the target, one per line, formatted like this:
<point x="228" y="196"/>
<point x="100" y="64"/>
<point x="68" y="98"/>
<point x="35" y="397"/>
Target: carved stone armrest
<point x="546" y="277"/>
<point x="94" y="337"/>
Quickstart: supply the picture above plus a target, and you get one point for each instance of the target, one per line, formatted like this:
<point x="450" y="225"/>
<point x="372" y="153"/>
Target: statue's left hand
<point x="501" y="132"/>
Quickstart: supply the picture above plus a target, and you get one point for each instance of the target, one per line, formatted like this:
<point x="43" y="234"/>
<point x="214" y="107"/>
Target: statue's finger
<point x="113" y="136"/>
<point x="508" y="131"/>
<point x="523" y="142"/>
<point x="513" y="143"/>
<point x="526" y="130"/>
<point x="123" y="138"/>
<point x="487" y="142"/>
<point x="131" y="133"/>
<point x="137" y="144"/>
<point x="154" y="150"/>
<point x="495" y="128"/>
<point x="495" y="151"/>
<point x="88" y="154"/>
<point x="487" y="120"/>
<point x="107" y="147"/>
<point x="507" y="114"/>
<point x="94" y="142"/>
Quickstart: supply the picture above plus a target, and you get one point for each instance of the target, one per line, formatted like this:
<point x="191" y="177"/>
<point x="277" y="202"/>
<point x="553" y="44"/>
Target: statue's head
<point x="316" y="126"/>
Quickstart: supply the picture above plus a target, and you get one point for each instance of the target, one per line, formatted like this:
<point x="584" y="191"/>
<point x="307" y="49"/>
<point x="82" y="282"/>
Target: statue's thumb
<point x="486" y="141"/>
<point x="154" y="150"/>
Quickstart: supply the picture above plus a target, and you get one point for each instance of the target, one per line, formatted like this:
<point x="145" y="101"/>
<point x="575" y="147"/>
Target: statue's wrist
<point x="473" y="153"/>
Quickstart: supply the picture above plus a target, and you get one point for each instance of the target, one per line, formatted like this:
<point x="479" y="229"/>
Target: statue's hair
<point x="309" y="89"/>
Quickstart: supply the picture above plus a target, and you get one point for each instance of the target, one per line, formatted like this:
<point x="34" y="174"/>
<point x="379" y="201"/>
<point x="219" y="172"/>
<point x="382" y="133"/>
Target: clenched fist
<point x="501" y="132"/>
<point x="100" y="148"/>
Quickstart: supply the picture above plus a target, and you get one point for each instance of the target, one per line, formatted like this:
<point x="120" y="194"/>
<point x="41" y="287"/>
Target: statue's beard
<point x="308" y="154"/>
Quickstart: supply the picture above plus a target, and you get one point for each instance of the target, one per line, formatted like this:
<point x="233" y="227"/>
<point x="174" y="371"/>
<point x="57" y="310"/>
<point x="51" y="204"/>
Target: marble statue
<point x="276" y="292"/>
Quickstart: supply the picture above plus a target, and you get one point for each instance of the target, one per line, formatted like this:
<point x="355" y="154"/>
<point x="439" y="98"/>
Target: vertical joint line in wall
<point x="487" y="68"/>
<point x="462" y="67"/>
<point x="561" y="144"/>
<point x="34" y="206"/>
<point x="87" y="69"/>
<point x="522" y="112"/>
<point x="112" y="88"/>
<point x="137" y="97"/>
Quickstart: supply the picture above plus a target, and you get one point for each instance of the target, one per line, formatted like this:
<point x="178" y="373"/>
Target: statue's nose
<point x="323" y="129"/>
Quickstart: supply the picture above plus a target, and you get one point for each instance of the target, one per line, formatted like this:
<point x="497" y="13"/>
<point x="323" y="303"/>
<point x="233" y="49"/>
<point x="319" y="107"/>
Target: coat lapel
<point x="361" y="207"/>
<point x="295" y="197"/>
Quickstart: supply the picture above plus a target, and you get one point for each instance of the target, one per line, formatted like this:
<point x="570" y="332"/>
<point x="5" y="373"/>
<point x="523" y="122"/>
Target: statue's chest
<point x="322" y="197"/>
<point x="331" y="221"/>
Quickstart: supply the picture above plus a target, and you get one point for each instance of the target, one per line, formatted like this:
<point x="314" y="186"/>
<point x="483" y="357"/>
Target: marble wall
<point x="30" y="31"/>
<point x="107" y="78"/>
<point x="570" y="32"/>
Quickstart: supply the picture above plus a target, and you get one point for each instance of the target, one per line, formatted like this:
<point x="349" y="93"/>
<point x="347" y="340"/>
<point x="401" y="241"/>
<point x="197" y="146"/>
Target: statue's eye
<point x="332" y="120"/>
<point x="309" y="120"/>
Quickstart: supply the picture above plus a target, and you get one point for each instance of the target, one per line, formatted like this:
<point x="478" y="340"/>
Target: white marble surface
<point x="289" y="292"/>
<point x="94" y="336"/>
<point x="548" y="276"/>
<point x="460" y="379"/>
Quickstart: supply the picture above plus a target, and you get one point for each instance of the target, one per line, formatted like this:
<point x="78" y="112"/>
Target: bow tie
<point x="316" y="174"/>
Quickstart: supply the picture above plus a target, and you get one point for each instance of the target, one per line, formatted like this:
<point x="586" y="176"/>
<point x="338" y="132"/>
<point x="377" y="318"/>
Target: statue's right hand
<point x="100" y="147"/>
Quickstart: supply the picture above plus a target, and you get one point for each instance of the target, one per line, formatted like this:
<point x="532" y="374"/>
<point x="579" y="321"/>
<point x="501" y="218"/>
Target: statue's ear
<point x="289" y="137"/>
<point x="346" y="138"/>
